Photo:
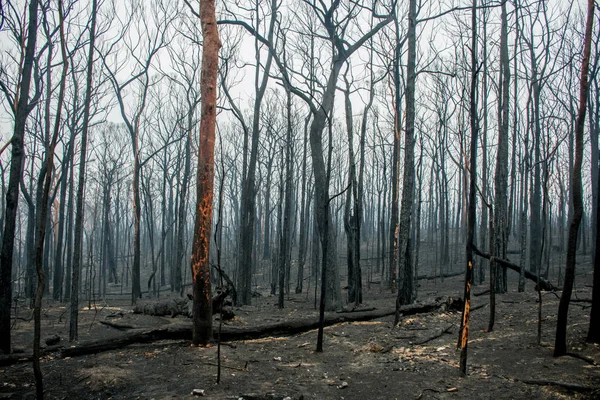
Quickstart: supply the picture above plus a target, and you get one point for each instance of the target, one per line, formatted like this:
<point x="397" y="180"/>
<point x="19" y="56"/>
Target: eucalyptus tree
<point x="186" y="76"/>
<point x="128" y="61"/>
<point x="541" y="66"/>
<point x="500" y="216"/>
<point x="202" y="303"/>
<point x="337" y="30"/>
<point x="21" y="105"/>
<point x="474" y="122"/>
<point x="73" y="111"/>
<point x="268" y="12"/>
<point x="43" y="194"/>
<point x="560" y="344"/>
<point x="593" y="335"/>
<point x="110" y="152"/>
<point x="357" y="176"/>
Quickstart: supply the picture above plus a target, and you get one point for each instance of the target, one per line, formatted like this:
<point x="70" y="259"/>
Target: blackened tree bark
<point x="350" y="217"/>
<point x="29" y="237"/>
<point x="285" y="249"/>
<point x="500" y="238"/>
<point x="321" y="112"/>
<point x="57" y="286"/>
<point x="187" y="67"/>
<point x="405" y="267"/>
<point x="474" y="119"/>
<point x="535" y="225"/>
<point x="593" y="335"/>
<point x="180" y="252"/>
<point x="248" y="198"/>
<point x="202" y="303"/>
<point x="483" y="227"/>
<point x="560" y="344"/>
<point x="79" y="210"/>
<point x="69" y="238"/>
<point x="23" y="109"/>
<point x="394" y="228"/>
<point x="42" y="206"/>
<point x="142" y="50"/>
<point x="594" y="330"/>
<point x="304" y="214"/>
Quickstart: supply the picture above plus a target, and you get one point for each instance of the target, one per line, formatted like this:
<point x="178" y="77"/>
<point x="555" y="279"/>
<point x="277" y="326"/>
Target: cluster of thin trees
<point x="364" y="139"/>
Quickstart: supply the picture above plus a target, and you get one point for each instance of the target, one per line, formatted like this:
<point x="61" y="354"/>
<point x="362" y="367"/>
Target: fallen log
<point x="544" y="284"/>
<point x="233" y="333"/>
<point x="354" y="310"/>
<point x="10" y="359"/>
<point x="438" y="332"/>
<point x="121" y="327"/>
<point x="575" y="387"/>
<point x="425" y="277"/>
<point x="134" y="336"/>
<point x="432" y="277"/>
<point x="478" y="307"/>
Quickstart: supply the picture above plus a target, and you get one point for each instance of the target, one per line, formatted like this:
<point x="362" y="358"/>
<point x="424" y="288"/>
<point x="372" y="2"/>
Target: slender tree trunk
<point x="483" y="227"/>
<point x="248" y="198"/>
<point x="560" y="345"/>
<point x="304" y="213"/>
<point x="181" y="252"/>
<point x="268" y="229"/>
<point x="58" y="259"/>
<point x="23" y="107"/>
<point x="136" y="288"/>
<point x="394" y="227"/>
<point x="405" y="294"/>
<point x="285" y="248"/>
<point x="501" y="175"/>
<point x="594" y="330"/>
<point x="350" y="209"/>
<point x="79" y="210"/>
<point x="69" y="246"/>
<point x="44" y="183"/>
<point x="472" y="197"/>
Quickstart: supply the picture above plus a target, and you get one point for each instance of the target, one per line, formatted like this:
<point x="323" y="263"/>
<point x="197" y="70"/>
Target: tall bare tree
<point x="22" y="108"/>
<point x="79" y="210"/>
<point x="405" y="267"/>
<point x="152" y="20"/>
<point x="560" y="344"/>
<point x="202" y="303"/>
<point x="500" y="216"/>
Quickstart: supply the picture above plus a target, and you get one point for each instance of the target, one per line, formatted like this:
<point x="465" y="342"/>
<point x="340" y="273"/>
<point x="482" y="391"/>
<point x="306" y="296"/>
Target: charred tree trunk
<point x="58" y="256"/>
<point x="22" y="110"/>
<point x="560" y="345"/>
<point x="405" y="293"/>
<point x="79" y="210"/>
<point x="286" y="233"/>
<point x="472" y="190"/>
<point x="248" y="198"/>
<point x="500" y="238"/>
<point x="394" y="227"/>
<point x="43" y="195"/>
<point x="304" y="213"/>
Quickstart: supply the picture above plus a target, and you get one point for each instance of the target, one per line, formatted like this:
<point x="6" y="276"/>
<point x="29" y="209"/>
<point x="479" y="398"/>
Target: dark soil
<point x="363" y="360"/>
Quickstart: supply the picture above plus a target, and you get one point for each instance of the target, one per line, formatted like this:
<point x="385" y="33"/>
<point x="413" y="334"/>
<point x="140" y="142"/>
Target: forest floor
<point x="361" y="360"/>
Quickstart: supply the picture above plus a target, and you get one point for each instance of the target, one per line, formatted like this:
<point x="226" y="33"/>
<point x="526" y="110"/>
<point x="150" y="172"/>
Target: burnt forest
<point x="299" y="199"/>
